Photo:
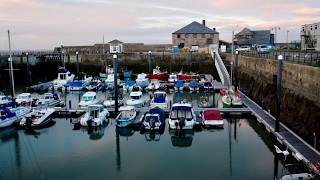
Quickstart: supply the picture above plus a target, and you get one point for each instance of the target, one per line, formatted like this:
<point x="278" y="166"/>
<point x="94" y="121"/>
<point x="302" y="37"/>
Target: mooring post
<point x="236" y="71"/>
<point x="149" y="61"/>
<point x="279" y="87"/>
<point x="116" y="108"/>
<point x="78" y="68"/>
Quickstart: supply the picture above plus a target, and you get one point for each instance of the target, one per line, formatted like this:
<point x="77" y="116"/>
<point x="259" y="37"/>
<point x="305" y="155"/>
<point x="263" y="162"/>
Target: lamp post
<point x="115" y="57"/>
<point x="78" y="68"/>
<point x="28" y="67"/>
<point x="279" y="88"/>
<point x="236" y="70"/>
<point x="149" y="61"/>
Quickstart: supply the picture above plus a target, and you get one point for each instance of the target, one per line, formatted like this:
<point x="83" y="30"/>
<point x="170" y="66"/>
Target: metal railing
<point x="300" y="57"/>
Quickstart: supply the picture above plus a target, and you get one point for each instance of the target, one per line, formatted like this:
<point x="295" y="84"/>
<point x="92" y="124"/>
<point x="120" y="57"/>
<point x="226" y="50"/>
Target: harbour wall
<point x="300" y="108"/>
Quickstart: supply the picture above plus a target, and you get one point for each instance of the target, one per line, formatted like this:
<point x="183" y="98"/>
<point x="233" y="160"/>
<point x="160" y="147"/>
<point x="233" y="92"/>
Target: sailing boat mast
<point x="13" y="93"/>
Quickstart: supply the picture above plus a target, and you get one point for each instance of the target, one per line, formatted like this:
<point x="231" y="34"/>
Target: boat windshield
<point x="152" y="118"/>
<point x="47" y="97"/>
<point x="87" y="98"/>
<point x="177" y="114"/>
<point x="62" y="76"/>
<point x="135" y="97"/>
<point x="127" y="114"/>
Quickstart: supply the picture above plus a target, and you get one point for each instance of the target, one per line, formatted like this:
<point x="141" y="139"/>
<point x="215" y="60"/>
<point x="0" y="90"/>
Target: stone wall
<point x="301" y="79"/>
<point x="201" y="40"/>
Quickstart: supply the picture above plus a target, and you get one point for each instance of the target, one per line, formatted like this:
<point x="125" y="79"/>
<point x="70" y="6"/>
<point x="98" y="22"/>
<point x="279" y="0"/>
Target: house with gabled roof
<point x="116" y="46"/>
<point x="195" y="36"/>
<point x="250" y="38"/>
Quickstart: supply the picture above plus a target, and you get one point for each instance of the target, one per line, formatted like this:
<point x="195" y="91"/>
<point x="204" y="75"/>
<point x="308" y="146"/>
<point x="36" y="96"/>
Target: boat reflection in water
<point x="95" y="132"/>
<point x="181" y="138"/>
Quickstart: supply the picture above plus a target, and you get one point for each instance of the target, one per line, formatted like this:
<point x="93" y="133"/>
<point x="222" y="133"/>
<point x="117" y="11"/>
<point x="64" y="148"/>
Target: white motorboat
<point x="110" y="81"/>
<point x="24" y="99"/>
<point x="136" y="99"/>
<point x="172" y="78"/>
<point x="95" y="115"/>
<point x="49" y="99"/>
<point x="236" y="101"/>
<point x="39" y="117"/>
<point x="126" y="116"/>
<point x="89" y="98"/>
<point x="160" y="100"/>
<point x="6" y="101"/>
<point x="86" y="79"/>
<point x="298" y="176"/>
<point x="111" y="102"/>
<point x="154" y="85"/>
<point x="182" y="116"/>
<point x="142" y="81"/>
<point x="64" y="76"/>
<point x="10" y="116"/>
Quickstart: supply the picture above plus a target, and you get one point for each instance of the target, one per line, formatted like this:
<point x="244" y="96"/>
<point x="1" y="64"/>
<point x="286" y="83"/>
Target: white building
<point x="310" y="37"/>
<point x="116" y="46"/>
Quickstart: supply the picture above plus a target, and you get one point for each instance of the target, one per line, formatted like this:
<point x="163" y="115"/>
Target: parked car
<point x="243" y="48"/>
<point x="264" y="48"/>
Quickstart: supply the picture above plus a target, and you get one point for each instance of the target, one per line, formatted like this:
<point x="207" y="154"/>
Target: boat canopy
<point x="74" y="84"/>
<point x="186" y="108"/>
<point x="212" y="115"/>
<point x="179" y="83"/>
<point x="129" y="83"/>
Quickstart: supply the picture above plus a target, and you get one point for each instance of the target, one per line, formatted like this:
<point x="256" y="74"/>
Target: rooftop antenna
<point x="13" y="93"/>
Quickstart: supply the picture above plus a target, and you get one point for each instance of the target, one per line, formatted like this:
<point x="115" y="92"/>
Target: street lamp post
<point x="236" y="70"/>
<point x="149" y="61"/>
<point x="78" y="68"/>
<point x="115" y="68"/>
<point x="279" y="89"/>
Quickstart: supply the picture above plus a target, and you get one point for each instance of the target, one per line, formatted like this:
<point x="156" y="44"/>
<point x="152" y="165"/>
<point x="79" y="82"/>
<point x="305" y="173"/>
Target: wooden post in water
<point x="279" y="87"/>
<point x="115" y="70"/>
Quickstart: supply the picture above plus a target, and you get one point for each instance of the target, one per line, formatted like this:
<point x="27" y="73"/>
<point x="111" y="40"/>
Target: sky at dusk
<point x="44" y="24"/>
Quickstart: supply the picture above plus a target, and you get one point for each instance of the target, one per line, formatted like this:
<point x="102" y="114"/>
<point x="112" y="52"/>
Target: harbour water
<point x="241" y="150"/>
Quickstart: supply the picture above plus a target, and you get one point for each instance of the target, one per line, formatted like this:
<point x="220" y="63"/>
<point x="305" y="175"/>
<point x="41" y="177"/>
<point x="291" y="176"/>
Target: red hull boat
<point x="158" y="75"/>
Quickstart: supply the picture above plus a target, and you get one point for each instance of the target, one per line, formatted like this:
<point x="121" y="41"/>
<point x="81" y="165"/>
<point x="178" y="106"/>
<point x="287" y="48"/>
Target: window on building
<point x="209" y="41"/>
<point x="194" y="35"/>
<point x="187" y="35"/>
<point x="203" y="35"/>
<point x="211" y="35"/>
<point x="178" y="36"/>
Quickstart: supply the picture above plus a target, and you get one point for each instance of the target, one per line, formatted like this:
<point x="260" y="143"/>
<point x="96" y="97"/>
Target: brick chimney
<point x="204" y="22"/>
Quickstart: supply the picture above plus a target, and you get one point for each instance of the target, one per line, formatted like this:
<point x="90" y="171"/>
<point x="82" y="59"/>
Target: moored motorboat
<point x="226" y="100"/>
<point x="154" y="120"/>
<point x="159" y="100"/>
<point x="10" y="116"/>
<point x="64" y="76"/>
<point x="6" y="101"/>
<point x="136" y="99"/>
<point x="95" y="115"/>
<point x="126" y="116"/>
<point x="39" y="117"/>
<point x="49" y="99"/>
<point x="110" y="81"/>
<point x="208" y="86"/>
<point x="299" y="176"/>
<point x="194" y="85"/>
<point x="110" y="102"/>
<point x="212" y="118"/>
<point x="142" y="81"/>
<point x="75" y="85"/>
<point x="182" y="116"/>
<point x="94" y="85"/>
<point x="153" y="85"/>
<point x="128" y="85"/>
<point x="158" y="75"/>
<point x="89" y="98"/>
<point x="24" y="99"/>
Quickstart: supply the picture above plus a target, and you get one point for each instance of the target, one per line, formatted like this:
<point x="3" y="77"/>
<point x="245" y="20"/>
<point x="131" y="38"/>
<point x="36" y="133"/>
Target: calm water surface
<point x="241" y="150"/>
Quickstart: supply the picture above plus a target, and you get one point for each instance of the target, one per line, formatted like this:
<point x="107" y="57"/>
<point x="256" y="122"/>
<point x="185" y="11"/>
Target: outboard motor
<point x="182" y="123"/>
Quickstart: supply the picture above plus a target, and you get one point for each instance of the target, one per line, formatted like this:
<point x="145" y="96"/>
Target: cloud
<point x="45" y="23"/>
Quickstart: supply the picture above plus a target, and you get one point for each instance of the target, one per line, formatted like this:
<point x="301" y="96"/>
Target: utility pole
<point x="13" y="93"/>
<point x="115" y="57"/>
<point x="279" y="89"/>
<point x="288" y="39"/>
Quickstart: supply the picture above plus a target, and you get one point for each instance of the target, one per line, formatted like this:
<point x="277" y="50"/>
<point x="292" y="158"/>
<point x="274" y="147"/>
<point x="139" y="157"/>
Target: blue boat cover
<point x="160" y="99"/>
<point x="129" y="82"/>
<point x="179" y="83"/>
<point x="7" y="114"/>
<point x="74" y="84"/>
<point x="181" y="108"/>
<point x="158" y="111"/>
<point x="194" y="84"/>
<point x="127" y="74"/>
